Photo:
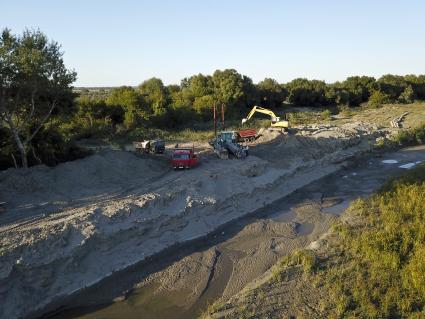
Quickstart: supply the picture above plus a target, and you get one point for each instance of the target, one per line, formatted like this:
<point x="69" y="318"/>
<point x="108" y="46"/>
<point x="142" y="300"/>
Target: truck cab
<point x="183" y="158"/>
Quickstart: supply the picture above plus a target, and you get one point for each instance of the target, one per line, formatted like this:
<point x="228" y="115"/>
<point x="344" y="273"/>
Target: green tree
<point x="359" y="88"/>
<point x="418" y="85"/>
<point x="131" y="102"/>
<point x="408" y="95"/>
<point x="96" y="114"/>
<point x="203" y="106"/>
<point x="33" y="83"/>
<point x="392" y="85"/>
<point x="228" y="86"/>
<point x="155" y="94"/>
<point x="271" y="93"/>
<point x="304" y="92"/>
<point x="200" y="85"/>
<point x="378" y="98"/>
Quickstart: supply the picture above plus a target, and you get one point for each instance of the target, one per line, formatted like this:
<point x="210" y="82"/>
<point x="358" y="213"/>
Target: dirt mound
<point x="85" y="177"/>
<point x="317" y="142"/>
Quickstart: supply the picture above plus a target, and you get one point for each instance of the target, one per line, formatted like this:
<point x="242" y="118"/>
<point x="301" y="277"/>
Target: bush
<point x="378" y="98"/>
<point x="411" y="137"/>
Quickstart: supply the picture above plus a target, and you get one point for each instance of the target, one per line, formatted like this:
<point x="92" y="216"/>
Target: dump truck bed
<point x="250" y="132"/>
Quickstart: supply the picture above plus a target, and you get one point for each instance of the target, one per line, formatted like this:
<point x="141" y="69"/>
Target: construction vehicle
<point x="184" y="158"/>
<point x="150" y="146"/>
<point x="276" y="121"/>
<point x="247" y="135"/>
<point x="225" y="143"/>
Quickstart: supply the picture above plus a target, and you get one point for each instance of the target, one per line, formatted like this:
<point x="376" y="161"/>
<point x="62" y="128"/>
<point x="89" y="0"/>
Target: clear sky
<point x="124" y="42"/>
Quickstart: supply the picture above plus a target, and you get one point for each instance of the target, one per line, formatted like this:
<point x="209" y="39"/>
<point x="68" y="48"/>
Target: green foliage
<point x="357" y="89"/>
<point x="378" y="98"/>
<point x="34" y="85"/>
<point x="228" y="86"/>
<point x="131" y="102"/>
<point x="380" y="268"/>
<point x="418" y="85"/>
<point x="305" y="92"/>
<point x="392" y="85"/>
<point x="199" y="85"/>
<point x="407" y="96"/>
<point x="413" y="136"/>
<point x="155" y="94"/>
<point x="203" y="106"/>
<point x="271" y="93"/>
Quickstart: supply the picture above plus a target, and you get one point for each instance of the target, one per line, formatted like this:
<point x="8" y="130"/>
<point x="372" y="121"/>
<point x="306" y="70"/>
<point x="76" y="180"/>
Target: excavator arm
<point x="276" y="122"/>
<point x="259" y="110"/>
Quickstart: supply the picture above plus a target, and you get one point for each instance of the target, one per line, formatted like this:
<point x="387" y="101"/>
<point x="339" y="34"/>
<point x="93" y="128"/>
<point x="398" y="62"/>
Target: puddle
<point x="407" y="166"/>
<point x="304" y="229"/>
<point x="390" y="161"/>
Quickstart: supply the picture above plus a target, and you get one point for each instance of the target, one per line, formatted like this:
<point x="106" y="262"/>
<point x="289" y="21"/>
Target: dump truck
<point x="184" y="158"/>
<point x="150" y="146"/>
<point x="226" y="142"/>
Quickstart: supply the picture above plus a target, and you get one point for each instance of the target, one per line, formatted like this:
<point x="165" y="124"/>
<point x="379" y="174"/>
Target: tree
<point x="378" y="98"/>
<point x="358" y="88"/>
<point x="392" y="85"/>
<point x="128" y="99"/>
<point x="228" y="86"/>
<point x="271" y="93"/>
<point x="203" y="106"/>
<point x="155" y="94"/>
<point x="33" y="83"/>
<point x="200" y="85"/>
<point x="418" y="85"/>
<point x="408" y="95"/>
<point x="304" y="92"/>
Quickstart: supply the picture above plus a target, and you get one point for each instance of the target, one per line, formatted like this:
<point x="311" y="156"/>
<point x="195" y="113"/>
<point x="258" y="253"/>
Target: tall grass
<point x="379" y="268"/>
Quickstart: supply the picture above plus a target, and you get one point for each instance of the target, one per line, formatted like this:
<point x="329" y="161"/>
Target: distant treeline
<point x="154" y="104"/>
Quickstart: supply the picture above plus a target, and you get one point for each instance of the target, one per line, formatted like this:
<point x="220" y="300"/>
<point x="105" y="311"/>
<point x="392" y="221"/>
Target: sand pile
<point x="90" y="176"/>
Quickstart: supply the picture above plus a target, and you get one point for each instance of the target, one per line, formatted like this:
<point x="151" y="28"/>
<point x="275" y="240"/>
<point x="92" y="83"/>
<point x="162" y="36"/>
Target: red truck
<point x="184" y="158"/>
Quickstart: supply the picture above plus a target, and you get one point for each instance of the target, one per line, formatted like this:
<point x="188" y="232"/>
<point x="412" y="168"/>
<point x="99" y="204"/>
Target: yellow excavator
<point x="276" y="121"/>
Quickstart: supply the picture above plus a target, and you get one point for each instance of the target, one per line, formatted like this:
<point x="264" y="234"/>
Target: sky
<point x="112" y="43"/>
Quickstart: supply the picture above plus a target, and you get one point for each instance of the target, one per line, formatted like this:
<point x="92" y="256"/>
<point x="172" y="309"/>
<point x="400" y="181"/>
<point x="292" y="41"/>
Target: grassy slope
<point x="377" y="264"/>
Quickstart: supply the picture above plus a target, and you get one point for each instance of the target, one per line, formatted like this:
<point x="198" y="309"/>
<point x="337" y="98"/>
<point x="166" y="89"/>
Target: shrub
<point x="378" y="98"/>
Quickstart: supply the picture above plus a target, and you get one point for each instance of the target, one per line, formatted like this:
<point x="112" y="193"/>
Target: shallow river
<point x="181" y="282"/>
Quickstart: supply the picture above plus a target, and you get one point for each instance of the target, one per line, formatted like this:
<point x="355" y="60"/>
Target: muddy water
<point x="182" y="282"/>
